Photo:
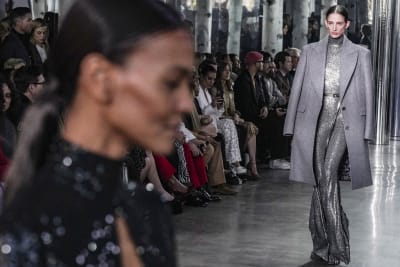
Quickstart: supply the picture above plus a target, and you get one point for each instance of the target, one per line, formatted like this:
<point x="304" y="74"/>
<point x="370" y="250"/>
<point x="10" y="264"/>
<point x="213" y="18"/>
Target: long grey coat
<point x="305" y="103"/>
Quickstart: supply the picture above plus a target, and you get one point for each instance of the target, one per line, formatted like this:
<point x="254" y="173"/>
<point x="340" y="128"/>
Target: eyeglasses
<point x="37" y="83"/>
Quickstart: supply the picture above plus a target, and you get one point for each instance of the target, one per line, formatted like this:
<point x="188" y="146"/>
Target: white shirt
<point x="186" y="132"/>
<point x="205" y="99"/>
<point x="42" y="53"/>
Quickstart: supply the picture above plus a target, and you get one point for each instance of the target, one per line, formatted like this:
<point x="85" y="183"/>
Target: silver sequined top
<point x="332" y="70"/>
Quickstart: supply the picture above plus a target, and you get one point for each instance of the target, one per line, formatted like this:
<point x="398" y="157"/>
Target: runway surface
<point x="266" y="225"/>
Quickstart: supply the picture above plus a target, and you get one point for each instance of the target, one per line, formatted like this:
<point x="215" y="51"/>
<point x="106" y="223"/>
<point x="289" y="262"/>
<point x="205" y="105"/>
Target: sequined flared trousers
<point x="328" y="222"/>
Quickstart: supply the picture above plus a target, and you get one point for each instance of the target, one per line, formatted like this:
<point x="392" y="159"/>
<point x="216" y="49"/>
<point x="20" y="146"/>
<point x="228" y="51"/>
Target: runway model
<point x="331" y="109"/>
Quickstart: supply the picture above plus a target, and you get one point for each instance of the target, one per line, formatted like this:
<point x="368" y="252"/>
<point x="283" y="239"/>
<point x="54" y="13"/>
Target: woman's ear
<point x="348" y="24"/>
<point x="95" y="72"/>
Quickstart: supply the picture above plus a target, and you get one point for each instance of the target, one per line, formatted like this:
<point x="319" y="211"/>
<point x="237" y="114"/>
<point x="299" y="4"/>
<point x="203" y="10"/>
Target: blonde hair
<point x="38" y="23"/>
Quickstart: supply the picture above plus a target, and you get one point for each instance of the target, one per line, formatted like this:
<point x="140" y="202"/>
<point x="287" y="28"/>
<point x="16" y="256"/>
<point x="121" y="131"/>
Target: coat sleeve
<point x="369" y="96"/>
<point x="238" y="97"/>
<point x="7" y="50"/>
<point x="295" y="93"/>
<point x="241" y="98"/>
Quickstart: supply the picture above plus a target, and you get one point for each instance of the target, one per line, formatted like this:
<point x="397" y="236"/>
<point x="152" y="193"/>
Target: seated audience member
<point x="29" y="83"/>
<point x="236" y="69"/>
<point x="247" y="131"/>
<point x="250" y="99"/>
<point x="167" y="172"/>
<point x="295" y="55"/>
<point x="38" y="37"/>
<point x="142" y="167"/>
<point x="284" y="65"/>
<point x="277" y="143"/>
<point x="195" y="151"/>
<point x="213" y="107"/>
<point x="17" y="43"/>
<point x="203" y="128"/>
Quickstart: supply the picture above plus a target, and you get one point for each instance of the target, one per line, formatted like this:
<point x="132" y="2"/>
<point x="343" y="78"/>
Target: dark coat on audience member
<point x="17" y="110"/>
<point x="18" y="46"/>
<point x="248" y="100"/>
<point x="357" y="96"/>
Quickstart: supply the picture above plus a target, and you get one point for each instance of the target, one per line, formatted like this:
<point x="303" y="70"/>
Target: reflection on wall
<point x="203" y="27"/>
<point x="235" y="26"/>
<point x="251" y="33"/>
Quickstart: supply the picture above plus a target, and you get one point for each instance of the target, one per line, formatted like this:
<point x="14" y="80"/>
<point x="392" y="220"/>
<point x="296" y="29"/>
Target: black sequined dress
<point x="328" y="222"/>
<point x="66" y="216"/>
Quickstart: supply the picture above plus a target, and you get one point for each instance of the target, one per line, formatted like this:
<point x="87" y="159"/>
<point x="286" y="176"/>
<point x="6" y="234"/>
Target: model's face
<point x="336" y="25"/>
<point x="148" y="100"/>
<point x="6" y="97"/>
<point x="39" y="35"/>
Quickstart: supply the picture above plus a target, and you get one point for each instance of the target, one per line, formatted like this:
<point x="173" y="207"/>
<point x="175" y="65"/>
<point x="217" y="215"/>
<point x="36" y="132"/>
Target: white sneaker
<point x="279" y="164"/>
<point x="240" y="170"/>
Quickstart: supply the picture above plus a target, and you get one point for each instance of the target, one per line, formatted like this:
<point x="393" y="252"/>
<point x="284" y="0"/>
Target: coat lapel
<point x="347" y="65"/>
<point x="318" y="63"/>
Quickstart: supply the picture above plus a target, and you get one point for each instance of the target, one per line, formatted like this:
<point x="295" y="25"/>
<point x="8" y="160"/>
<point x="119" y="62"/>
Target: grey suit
<point x="357" y="96"/>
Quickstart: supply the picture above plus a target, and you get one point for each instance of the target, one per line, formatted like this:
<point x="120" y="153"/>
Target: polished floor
<point x="266" y="225"/>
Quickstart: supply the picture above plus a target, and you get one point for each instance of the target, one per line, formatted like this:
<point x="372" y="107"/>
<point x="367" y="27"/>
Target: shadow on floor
<point x="314" y="264"/>
<point x="317" y="264"/>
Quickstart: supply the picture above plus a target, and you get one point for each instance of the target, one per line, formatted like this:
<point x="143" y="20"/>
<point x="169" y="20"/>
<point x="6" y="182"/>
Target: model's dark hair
<point x="17" y="13"/>
<point x="110" y="28"/>
<point x="338" y="9"/>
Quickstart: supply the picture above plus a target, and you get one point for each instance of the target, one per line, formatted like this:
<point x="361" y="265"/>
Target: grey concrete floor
<point x="266" y="225"/>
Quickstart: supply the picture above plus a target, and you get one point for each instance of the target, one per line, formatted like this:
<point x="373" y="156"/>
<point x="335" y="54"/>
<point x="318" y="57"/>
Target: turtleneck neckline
<point x="335" y="41"/>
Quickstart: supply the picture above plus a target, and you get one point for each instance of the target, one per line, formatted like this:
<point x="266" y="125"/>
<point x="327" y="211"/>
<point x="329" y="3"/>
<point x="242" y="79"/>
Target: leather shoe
<point x="204" y="195"/>
<point x="234" y="180"/>
<point x="195" y="201"/>
<point x="224" y="189"/>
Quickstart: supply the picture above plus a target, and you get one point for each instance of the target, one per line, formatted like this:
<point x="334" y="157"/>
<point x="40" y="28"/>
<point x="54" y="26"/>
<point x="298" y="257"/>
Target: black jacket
<point x="17" y="110"/>
<point x="249" y="100"/>
<point x="18" y="46"/>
